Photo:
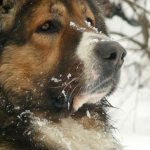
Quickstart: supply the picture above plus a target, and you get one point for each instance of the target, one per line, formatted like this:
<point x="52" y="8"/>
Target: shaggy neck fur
<point x="87" y="128"/>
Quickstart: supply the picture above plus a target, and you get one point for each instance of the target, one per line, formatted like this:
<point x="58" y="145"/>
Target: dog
<point x="57" y="66"/>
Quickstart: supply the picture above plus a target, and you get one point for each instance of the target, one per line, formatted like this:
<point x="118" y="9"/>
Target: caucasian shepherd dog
<point x="57" y="65"/>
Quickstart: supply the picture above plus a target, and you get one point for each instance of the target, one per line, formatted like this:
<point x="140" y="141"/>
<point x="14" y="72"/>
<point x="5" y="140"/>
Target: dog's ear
<point x="8" y="11"/>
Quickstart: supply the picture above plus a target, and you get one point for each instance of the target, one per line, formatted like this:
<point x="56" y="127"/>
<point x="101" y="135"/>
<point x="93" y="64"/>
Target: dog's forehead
<point x="39" y="11"/>
<point x="60" y="6"/>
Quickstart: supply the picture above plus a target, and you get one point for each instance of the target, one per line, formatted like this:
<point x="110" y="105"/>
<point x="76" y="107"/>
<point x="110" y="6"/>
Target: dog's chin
<point x="95" y="92"/>
<point x="84" y="98"/>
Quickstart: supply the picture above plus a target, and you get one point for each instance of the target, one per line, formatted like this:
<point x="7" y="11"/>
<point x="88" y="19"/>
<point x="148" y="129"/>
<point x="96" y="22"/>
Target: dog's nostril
<point x="123" y="55"/>
<point x="112" y="56"/>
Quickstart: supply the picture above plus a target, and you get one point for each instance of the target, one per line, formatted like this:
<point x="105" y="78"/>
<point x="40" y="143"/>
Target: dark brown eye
<point x="45" y="27"/>
<point x="52" y="26"/>
<point x="90" y="21"/>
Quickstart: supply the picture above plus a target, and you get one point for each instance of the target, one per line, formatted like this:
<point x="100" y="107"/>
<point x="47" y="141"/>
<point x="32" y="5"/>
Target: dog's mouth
<point x="95" y="92"/>
<point x="89" y="92"/>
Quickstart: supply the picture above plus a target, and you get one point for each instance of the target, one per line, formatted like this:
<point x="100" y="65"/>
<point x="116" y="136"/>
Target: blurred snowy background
<point x="128" y="22"/>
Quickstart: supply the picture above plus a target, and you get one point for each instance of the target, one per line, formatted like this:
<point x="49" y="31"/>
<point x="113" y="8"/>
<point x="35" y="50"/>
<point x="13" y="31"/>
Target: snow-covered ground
<point x="132" y="116"/>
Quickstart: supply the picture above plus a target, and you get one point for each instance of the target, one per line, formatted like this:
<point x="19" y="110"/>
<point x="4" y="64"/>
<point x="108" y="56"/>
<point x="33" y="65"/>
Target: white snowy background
<point x="132" y="99"/>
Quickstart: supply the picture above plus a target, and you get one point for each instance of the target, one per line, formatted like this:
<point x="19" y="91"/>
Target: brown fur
<point x="30" y="59"/>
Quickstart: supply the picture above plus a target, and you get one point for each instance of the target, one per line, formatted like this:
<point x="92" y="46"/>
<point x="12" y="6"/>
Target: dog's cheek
<point x="22" y="67"/>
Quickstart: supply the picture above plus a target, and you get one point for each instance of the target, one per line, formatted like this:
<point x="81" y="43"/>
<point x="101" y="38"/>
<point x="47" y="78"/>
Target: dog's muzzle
<point x="102" y="57"/>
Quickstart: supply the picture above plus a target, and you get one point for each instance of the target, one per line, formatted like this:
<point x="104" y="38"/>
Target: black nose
<point x="111" y="53"/>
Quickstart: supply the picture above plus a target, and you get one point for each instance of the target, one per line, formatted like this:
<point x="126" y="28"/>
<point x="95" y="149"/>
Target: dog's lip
<point x="84" y="98"/>
<point x="94" y="92"/>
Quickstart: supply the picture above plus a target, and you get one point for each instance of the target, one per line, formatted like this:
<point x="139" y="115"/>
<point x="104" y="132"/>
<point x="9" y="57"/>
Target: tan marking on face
<point x="83" y="10"/>
<point x="21" y="65"/>
<point x="47" y="11"/>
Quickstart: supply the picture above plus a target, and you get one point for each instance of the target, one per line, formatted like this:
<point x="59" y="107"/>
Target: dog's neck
<point x="86" y="128"/>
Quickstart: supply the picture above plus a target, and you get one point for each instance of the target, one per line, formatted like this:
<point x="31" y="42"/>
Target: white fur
<point x="87" y="44"/>
<point x="70" y="135"/>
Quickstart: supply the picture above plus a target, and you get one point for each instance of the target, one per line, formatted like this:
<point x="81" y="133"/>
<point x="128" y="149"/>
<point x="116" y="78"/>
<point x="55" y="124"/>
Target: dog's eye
<point x="52" y="26"/>
<point x="90" y="21"/>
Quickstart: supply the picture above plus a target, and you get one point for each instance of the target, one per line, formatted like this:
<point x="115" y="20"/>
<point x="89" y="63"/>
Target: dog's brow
<point x="67" y="4"/>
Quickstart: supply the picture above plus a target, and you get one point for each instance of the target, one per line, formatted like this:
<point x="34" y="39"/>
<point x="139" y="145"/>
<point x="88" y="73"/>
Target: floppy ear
<point x="8" y="11"/>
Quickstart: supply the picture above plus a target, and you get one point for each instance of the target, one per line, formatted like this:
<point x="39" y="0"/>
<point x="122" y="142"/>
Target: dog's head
<point x="56" y="55"/>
